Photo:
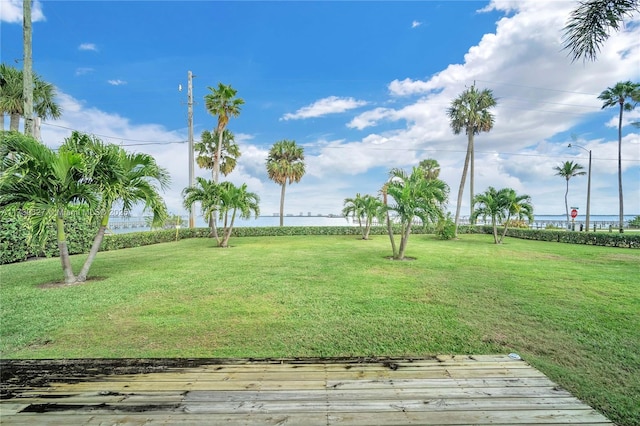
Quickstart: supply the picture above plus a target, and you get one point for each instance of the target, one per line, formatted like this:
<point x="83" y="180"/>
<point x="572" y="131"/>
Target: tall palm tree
<point x="12" y="97"/>
<point x="207" y="150"/>
<point x="45" y="183"/>
<point x="414" y="196"/>
<point x="619" y="95"/>
<point x="431" y="168"/>
<point x="502" y="205"/>
<point x="364" y="208"/>
<point x="222" y="102"/>
<point x="121" y="178"/>
<point x="470" y="112"/>
<point x="591" y="22"/>
<point x="567" y="170"/>
<point x="285" y="163"/>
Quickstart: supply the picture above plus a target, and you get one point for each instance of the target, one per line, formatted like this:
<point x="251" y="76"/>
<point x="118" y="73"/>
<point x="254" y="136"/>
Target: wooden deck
<point x="444" y="391"/>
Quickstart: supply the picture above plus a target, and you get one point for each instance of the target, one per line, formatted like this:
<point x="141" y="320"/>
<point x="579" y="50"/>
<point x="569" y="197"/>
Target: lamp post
<point x="588" y="182"/>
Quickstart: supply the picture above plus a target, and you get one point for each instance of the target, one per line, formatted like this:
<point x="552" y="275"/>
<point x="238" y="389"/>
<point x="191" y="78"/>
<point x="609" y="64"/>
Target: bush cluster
<point x="630" y="240"/>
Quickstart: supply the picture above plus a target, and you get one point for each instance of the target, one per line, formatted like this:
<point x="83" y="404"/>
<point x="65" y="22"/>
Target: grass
<point x="572" y="311"/>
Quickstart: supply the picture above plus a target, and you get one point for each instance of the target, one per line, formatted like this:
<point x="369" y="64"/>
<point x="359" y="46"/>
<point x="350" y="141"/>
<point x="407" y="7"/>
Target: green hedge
<point x="14" y="231"/>
<point x="15" y="244"/>
<point x="628" y="240"/>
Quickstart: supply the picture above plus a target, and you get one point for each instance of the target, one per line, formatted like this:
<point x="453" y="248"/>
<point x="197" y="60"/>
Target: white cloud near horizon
<point x="88" y="46"/>
<point x="117" y="82"/>
<point x="325" y="106"/>
<point x="11" y="12"/>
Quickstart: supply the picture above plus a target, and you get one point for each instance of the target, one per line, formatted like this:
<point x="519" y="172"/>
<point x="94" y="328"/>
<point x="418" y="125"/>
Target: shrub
<point x="446" y="228"/>
<point x="635" y="222"/>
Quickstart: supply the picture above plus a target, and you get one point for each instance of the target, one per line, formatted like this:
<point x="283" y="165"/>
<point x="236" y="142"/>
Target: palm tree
<point x="223" y="198"/>
<point x="285" y="163"/>
<point x="235" y="200"/>
<point x="119" y="178"/>
<point x="501" y="205"/>
<point x="221" y="102"/>
<point x="12" y="98"/>
<point x="414" y="196"/>
<point x="365" y="208"/>
<point x="206" y="193"/>
<point x="618" y="95"/>
<point x="470" y="112"/>
<point x="207" y="150"/>
<point x="208" y="155"/>
<point x="44" y="182"/>
<point x="567" y="170"/>
<point x="590" y="24"/>
<point x="431" y="168"/>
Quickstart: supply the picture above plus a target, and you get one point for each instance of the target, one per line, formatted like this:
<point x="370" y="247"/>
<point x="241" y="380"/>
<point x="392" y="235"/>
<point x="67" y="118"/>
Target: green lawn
<point x="572" y="311"/>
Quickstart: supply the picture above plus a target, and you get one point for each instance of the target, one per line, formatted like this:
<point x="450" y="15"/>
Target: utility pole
<point x="192" y="213"/>
<point x="27" y="73"/>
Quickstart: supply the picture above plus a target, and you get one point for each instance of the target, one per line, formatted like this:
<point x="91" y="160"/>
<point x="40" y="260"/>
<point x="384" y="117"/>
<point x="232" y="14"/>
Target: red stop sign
<point x="574" y="213"/>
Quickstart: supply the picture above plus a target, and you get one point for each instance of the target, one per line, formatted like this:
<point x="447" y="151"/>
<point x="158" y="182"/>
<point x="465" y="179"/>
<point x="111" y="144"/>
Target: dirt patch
<point x="406" y="258"/>
<point x="62" y="284"/>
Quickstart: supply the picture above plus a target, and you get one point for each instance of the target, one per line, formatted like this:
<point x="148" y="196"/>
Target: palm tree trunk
<point x="367" y="229"/>
<point x="471" y="177"/>
<point x="95" y="247"/>
<point x="227" y="234"/>
<point x="69" y="278"/>
<point x="390" y="231"/>
<point x="216" y="162"/>
<point x="14" y="122"/>
<point x="494" y="222"/>
<point x="284" y="186"/>
<point x="506" y="225"/>
<point x="461" y="189"/>
<point x="566" y="204"/>
<point x="620" y="169"/>
<point x="404" y="240"/>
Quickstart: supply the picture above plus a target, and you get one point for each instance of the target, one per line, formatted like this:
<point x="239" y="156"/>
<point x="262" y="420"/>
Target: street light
<point x="588" y="182"/>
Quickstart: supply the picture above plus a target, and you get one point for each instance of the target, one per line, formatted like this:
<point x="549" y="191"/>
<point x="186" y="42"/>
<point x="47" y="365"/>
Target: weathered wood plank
<point x="355" y="419"/>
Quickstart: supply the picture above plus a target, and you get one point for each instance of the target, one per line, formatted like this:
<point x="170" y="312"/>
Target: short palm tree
<point x="235" y="201"/>
<point x="45" y="183"/>
<point x="222" y="102"/>
<point x="625" y="95"/>
<point x="285" y="164"/>
<point x="415" y="197"/>
<point x="224" y="199"/>
<point x="591" y="22"/>
<point x="118" y="178"/>
<point x="470" y="112"/>
<point x="501" y="205"/>
<point x="567" y="170"/>
<point x="206" y="193"/>
<point x="364" y="208"/>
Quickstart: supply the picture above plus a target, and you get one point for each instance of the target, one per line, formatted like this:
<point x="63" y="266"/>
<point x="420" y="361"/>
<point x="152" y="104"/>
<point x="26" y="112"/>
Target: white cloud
<point x="11" y="11"/>
<point x="415" y="24"/>
<point x="84" y="70"/>
<point x="88" y="46"/>
<point x="116" y="82"/>
<point x="330" y="105"/>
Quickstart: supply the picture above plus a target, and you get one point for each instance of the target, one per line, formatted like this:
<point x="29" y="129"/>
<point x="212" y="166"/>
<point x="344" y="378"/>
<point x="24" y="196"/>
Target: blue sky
<point x="363" y="86"/>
